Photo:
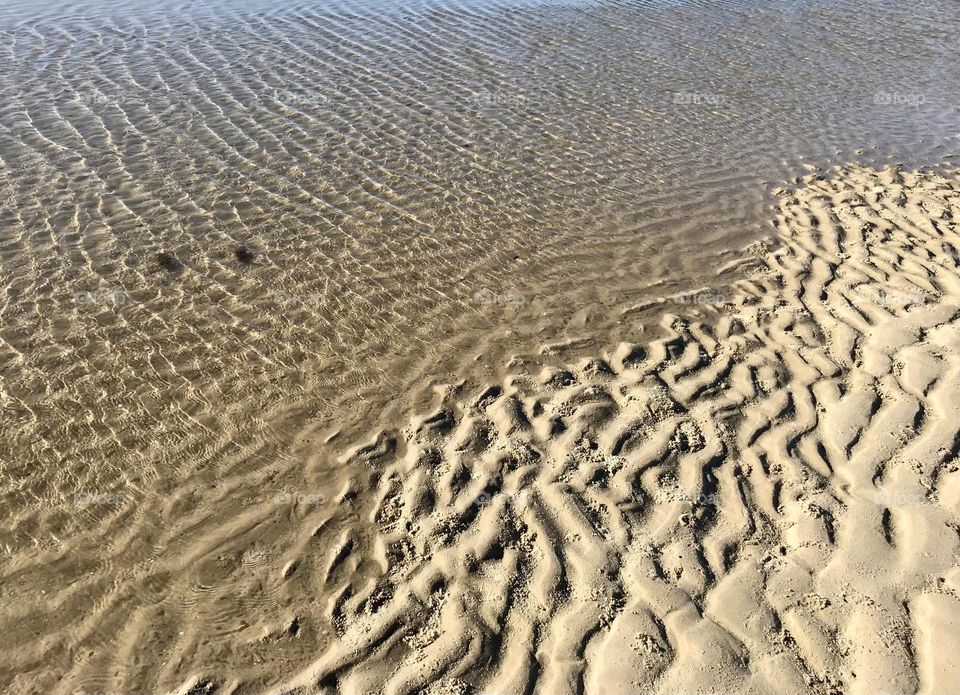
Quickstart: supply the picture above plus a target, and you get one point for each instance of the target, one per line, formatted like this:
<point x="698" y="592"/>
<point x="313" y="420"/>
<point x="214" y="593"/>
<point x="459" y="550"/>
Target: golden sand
<point x="766" y="502"/>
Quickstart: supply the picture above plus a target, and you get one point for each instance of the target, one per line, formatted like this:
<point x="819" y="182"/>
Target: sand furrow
<point x="766" y="509"/>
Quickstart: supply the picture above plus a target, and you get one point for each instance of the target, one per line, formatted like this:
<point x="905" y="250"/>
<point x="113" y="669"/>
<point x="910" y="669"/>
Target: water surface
<point x="432" y="187"/>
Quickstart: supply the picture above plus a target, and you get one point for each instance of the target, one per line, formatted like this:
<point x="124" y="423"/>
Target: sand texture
<point x="764" y="503"/>
<point x="370" y="346"/>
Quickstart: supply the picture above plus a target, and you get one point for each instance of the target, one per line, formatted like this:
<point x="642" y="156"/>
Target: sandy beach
<point x="765" y="501"/>
<point x="489" y="347"/>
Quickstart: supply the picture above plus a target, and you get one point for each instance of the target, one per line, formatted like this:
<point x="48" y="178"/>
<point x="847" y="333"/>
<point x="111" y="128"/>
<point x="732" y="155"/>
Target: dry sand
<point x="766" y="503"/>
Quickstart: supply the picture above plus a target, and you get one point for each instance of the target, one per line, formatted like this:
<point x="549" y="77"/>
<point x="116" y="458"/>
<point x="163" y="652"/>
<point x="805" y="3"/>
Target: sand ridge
<point x="769" y="503"/>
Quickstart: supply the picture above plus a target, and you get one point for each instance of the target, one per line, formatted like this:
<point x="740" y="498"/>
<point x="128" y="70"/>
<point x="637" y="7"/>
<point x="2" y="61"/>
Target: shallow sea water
<point x="431" y="187"/>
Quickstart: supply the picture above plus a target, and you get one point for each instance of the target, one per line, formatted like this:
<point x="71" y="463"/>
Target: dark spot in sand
<point x="169" y="262"/>
<point x="245" y="254"/>
<point x="202" y="687"/>
<point x="635" y="355"/>
<point x="294" y="628"/>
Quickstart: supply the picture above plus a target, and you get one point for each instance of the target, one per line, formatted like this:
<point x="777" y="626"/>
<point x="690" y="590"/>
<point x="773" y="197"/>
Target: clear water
<point x="425" y="182"/>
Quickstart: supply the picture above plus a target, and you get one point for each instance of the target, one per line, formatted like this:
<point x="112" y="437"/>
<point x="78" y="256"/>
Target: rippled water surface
<point x="426" y="185"/>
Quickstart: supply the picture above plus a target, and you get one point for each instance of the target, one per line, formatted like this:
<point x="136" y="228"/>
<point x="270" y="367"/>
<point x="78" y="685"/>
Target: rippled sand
<point x="432" y="193"/>
<point x="765" y="500"/>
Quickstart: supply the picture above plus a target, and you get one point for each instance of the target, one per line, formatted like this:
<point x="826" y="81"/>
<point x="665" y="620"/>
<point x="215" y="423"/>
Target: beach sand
<point x="768" y="501"/>
<point x="375" y="347"/>
<point x="765" y="499"/>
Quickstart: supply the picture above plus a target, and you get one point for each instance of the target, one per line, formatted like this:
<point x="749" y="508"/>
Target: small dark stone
<point x="169" y="262"/>
<point x="245" y="254"/>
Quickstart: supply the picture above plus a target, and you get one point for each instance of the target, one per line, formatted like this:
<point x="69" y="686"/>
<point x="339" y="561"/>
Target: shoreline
<point x="778" y="490"/>
<point x="628" y="513"/>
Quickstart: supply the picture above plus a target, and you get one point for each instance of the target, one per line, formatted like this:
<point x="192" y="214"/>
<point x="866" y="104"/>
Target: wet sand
<point x="765" y="500"/>
<point x="239" y="237"/>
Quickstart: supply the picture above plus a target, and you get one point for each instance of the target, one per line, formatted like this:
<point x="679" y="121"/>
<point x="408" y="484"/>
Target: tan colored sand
<point x="769" y="504"/>
<point x="765" y="500"/>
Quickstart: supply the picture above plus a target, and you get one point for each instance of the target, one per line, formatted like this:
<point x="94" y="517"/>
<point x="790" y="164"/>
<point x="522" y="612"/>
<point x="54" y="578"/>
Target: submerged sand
<point x="764" y="500"/>
<point x="768" y="502"/>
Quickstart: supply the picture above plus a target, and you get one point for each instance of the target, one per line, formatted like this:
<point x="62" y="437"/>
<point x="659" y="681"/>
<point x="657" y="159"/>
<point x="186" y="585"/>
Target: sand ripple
<point x="765" y="502"/>
<point x="430" y="188"/>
